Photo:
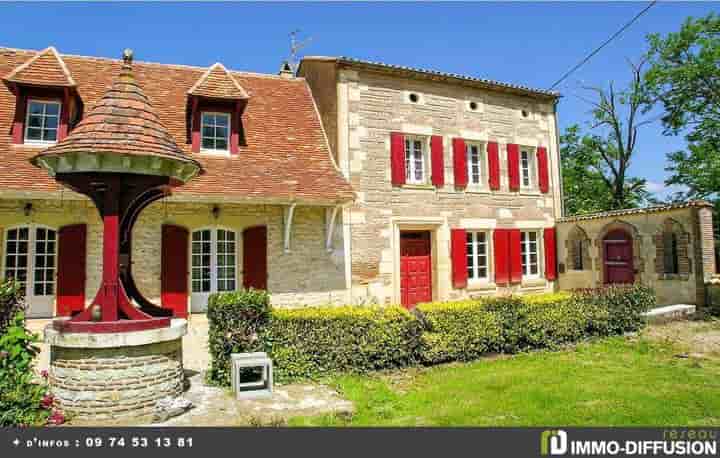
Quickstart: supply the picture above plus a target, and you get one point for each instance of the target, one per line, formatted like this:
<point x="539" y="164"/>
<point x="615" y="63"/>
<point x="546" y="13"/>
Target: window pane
<point x="49" y="135"/>
<point x="51" y="123"/>
<point x="222" y="120"/>
<point x="36" y="108"/>
<point x="221" y="144"/>
<point x="52" y="109"/>
<point x="35" y="121"/>
<point x="208" y="143"/>
<point x="34" y="134"/>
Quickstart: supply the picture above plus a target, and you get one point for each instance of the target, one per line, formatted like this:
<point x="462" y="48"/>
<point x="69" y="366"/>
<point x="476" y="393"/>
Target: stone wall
<point x="377" y="104"/>
<point x="115" y="383"/>
<point x="690" y="223"/>
<point x="308" y="274"/>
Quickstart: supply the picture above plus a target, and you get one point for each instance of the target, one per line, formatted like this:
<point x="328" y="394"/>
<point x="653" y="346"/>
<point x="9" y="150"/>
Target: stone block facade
<point x="364" y="107"/>
<point x="308" y="273"/>
<point x="678" y="277"/>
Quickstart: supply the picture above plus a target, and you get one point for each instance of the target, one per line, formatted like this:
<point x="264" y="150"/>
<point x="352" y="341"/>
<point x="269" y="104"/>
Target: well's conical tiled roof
<point x="218" y="83"/>
<point x="124" y="123"/>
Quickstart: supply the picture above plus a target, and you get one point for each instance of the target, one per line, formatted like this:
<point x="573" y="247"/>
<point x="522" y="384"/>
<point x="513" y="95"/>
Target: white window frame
<point x="30" y="141"/>
<point x="225" y="151"/>
<point x="474" y="278"/>
<point x="31" y="254"/>
<point x="214" y="266"/>
<point x="525" y="258"/>
<point x="410" y="167"/>
<point x="482" y="182"/>
<point x="531" y="168"/>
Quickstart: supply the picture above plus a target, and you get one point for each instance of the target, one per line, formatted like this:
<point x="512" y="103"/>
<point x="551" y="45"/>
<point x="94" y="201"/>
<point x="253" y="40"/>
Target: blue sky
<point x="525" y="43"/>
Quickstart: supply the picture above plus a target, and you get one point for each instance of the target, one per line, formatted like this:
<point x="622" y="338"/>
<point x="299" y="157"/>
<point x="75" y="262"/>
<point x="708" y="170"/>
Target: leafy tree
<point x="684" y="76"/>
<point x="595" y="165"/>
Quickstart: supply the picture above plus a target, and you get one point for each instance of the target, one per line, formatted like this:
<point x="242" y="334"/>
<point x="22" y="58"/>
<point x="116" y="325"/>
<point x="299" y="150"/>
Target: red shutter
<point x="550" y="254"/>
<point x="542" y="160"/>
<point x="438" y="161"/>
<point x="255" y="257"/>
<point x="502" y="260"/>
<point x="195" y="125"/>
<point x="235" y="129"/>
<point x="513" y="158"/>
<point x="174" y="269"/>
<point x="71" y="269"/>
<point x="460" y="163"/>
<point x="515" y="256"/>
<point x="18" y="134"/>
<point x="397" y="158"/>
<point x="459" y="258"/>
<point x="63" y="125"/>
<point x="493" y="165"/>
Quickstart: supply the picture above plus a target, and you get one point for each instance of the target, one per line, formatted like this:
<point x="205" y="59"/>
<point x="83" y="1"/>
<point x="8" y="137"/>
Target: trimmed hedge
<point x="315" y="341"/>
<point x="235" y="319"/>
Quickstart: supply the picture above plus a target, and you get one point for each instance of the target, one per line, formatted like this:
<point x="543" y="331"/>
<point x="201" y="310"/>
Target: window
<point x="30" y="259"/>
<point x="475" y="159"/>
<point x="215" y="131"/>
<point x="477" y="255"/>
<point x="577" y="261"/>
<point x="670" y="253"/>
<point x="41" y="122"/>
<point x="414" y="160"/>
<point x="526" y="163"/>
<point x="529" y="254"/>
<point x="213" y="261"/>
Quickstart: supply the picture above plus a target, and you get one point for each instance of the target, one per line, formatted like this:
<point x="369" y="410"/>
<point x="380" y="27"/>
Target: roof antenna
<point x="296" y="46"/>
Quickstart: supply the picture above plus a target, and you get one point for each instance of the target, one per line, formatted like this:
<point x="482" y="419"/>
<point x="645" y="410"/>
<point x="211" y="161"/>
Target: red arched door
<point x="618" y="257"/>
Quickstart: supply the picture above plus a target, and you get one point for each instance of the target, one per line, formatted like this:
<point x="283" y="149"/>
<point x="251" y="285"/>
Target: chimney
<point x="285" y="70"/>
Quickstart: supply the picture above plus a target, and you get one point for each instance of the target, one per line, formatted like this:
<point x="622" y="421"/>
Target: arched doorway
<point x="618" y="257"/>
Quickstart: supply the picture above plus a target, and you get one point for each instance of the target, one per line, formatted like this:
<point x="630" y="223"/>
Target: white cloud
<point x="663" y="191"/>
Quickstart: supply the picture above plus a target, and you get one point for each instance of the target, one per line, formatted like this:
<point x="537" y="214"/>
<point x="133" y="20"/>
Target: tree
<point x="684" y="76"/>
<point x="595" y="165"/>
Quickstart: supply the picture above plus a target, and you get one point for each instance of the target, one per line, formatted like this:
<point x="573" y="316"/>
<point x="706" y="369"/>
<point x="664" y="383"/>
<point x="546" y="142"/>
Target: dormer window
<point x="215" y="132"/>
<point x="42" y="122"/>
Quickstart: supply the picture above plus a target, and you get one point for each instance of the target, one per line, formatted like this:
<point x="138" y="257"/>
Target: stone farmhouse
<point x="348" y="182"/>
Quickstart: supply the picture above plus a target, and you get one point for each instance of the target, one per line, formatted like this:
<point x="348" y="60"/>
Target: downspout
<point x="557" y="145"/>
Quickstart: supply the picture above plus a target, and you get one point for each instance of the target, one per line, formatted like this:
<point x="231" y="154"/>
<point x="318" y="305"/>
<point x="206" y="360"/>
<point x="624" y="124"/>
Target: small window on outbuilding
<point x="42" y="122"/>
<point x="671" y="244"/>
<point x="578" y="250"/>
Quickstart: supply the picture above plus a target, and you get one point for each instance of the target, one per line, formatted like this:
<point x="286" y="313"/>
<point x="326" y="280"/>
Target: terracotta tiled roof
<point x="218" y="83"/>
<point x="284" y="158"/>
<point x="46" y="68"/>
<point x="122" y="122"/>
<point x="436" y="75"/>
<point x="635" y="211"/>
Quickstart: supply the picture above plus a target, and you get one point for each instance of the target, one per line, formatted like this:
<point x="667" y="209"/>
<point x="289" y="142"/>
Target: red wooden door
<point x="618" y="257"/>
<point x="71" y="270"/>
<point x="174" y="269"/>
<point x="255" y="257"/>
<point x="415" y="268"/>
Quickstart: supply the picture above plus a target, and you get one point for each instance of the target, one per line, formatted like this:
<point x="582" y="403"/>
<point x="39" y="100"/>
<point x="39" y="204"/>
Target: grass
<point x="618" y="381"/>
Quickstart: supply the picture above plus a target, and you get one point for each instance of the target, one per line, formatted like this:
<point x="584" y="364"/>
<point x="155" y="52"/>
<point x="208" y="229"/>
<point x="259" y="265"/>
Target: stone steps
<point x="668" y="313"/>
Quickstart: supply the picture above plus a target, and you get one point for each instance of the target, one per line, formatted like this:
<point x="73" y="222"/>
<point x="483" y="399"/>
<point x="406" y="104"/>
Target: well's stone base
<point x="116" y="382"/>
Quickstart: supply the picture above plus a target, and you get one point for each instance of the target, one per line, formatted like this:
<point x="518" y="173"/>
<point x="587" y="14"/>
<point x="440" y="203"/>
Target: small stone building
<point x="667" y="247"/>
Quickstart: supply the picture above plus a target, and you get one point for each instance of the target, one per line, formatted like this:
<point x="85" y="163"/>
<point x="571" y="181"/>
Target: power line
<point x="605" y="43"/>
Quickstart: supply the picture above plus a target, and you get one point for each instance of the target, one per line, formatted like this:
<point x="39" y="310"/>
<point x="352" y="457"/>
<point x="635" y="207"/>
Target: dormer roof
<point x="46" y="68"/>
<point x="218" y="83"/>
<point x="122" y="123"/>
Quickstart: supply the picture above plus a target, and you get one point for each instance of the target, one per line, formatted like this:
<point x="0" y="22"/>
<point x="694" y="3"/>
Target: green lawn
<point x="616" y="381"/>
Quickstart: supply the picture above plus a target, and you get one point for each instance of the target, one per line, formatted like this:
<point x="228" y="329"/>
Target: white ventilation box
<point x="252" y="375"/>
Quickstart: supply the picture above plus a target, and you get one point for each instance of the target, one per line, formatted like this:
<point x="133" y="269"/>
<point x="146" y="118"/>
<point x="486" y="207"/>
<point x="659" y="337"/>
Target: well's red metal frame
<point x="119" y="197"/>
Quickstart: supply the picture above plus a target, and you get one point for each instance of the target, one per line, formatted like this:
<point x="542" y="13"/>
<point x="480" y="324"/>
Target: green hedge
<point x="314" y="341"/>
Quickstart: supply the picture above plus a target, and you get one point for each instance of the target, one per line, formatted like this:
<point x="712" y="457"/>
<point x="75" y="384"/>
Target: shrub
<point x="314" y="341"/>
<point x="235" y="319"/>
<point x="23" y="401"/>
<point x="459" y="331"/>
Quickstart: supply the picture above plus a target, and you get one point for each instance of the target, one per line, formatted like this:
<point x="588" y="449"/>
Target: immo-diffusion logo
<point x="553" y="442"/>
